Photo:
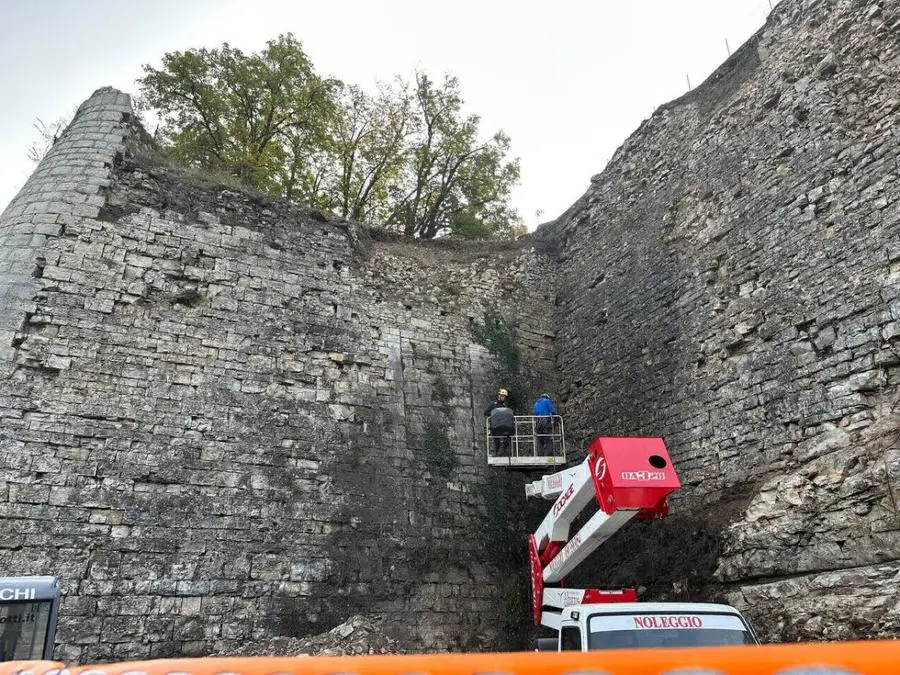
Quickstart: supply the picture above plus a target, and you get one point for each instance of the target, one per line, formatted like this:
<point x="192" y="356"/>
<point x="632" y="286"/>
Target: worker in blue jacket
<point x="543" y="425"/>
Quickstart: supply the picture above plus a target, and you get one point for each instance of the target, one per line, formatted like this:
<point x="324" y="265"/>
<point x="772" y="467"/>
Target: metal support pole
<point x="534" y="440"/>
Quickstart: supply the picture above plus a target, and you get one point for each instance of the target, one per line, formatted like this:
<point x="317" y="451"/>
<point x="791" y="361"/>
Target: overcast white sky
<point x="568" y="80"/>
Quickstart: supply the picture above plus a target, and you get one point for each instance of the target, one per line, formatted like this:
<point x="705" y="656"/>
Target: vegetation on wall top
<point x="406" y="156"/>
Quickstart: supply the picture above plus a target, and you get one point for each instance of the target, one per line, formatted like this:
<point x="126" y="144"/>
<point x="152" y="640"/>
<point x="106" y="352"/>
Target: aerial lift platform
<point x="530" y="446"/>
<point x="627" y="478"/>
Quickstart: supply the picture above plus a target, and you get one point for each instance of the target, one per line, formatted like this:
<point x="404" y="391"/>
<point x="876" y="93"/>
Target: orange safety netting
<point x="847" y="658"/>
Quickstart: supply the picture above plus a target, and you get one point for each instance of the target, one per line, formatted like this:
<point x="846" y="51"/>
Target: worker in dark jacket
<point x="543" y="424"/>
<point x="502" y="423"/>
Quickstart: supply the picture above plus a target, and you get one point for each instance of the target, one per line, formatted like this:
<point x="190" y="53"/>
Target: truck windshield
<point x="628" y="631"/>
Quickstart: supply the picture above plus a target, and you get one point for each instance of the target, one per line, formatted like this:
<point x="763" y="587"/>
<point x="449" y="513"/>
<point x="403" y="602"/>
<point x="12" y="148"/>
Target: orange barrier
<point x="846" y="658"/>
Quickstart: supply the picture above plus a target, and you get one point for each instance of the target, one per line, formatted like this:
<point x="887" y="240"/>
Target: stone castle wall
<point x="224" y="418"/>
<point x="730" y="282"/>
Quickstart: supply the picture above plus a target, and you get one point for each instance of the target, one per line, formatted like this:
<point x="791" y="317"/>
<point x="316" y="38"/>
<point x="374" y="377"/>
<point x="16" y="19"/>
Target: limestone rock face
<point x="731" y="282"/>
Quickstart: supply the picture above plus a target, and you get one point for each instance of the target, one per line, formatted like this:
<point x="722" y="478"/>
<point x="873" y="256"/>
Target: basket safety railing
<point x="537" y="441"/>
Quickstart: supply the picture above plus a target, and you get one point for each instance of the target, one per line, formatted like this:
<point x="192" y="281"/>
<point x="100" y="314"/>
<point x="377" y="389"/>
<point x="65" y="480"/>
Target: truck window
<point x="630" y="631"/>
<point x="28" y="611"/>
<point x="570" y="638"/>
<point x="23" y="630"/>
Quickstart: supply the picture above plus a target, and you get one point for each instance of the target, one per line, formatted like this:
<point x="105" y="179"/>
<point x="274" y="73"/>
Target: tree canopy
<point x="405" y="156"/>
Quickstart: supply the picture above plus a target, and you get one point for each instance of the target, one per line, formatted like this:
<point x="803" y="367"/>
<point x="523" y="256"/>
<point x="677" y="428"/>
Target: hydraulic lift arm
<point x="628" y="477"/>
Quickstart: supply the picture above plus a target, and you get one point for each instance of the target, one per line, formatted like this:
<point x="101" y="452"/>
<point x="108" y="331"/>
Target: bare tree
<point x="48" y="135"/>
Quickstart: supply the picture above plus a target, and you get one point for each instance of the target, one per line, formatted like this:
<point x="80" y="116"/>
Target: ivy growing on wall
<point x="507" y="519"/>
<point x="501" y="526"/>
<point x="437" y="453"/>
<point x="502" y="531"/>
<point x="441" y="392"/>
<point x="495" y="334"/>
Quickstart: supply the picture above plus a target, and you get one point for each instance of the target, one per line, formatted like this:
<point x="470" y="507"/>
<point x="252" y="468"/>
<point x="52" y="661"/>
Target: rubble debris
<point x="356" y="636"/>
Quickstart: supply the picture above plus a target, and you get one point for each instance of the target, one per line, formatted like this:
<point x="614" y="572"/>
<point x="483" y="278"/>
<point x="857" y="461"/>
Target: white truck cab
<point x="636" y="625"/>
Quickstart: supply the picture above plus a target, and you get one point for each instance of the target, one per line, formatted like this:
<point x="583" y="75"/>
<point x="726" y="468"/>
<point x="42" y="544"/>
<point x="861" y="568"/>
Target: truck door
<point x="570" y="638"/>
<point x="29" y="607"/>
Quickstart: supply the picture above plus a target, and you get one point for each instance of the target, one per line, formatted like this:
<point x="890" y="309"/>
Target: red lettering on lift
<point x="668" y="622"/>
<point x="643" y="475"/>
<point x="563" y="555"/>
<point x="558" y="506"/>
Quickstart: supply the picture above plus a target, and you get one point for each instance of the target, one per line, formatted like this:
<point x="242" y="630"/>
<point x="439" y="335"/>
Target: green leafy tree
<point x="369" y="140"/>
<point x="406" y="156"/>
<point x="454" y="183"/>
<point x="226" y="111"/>
<point x="308" y="163"/>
